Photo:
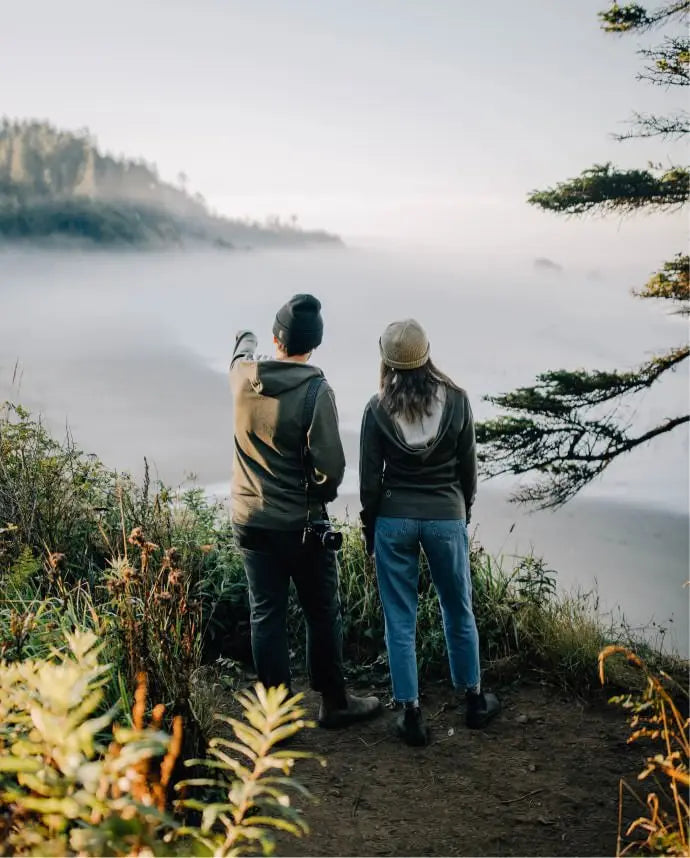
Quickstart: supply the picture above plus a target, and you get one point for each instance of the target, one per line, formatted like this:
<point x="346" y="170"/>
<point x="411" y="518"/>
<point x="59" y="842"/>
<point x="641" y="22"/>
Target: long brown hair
<point x="410" y="393"/>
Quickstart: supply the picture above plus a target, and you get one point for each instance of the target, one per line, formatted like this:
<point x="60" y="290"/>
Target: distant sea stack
<point x="57" y="184"/>
<point x="541" y="263"/>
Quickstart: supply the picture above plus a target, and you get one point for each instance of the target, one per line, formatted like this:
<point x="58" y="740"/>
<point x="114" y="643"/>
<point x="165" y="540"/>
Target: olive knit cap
<point x="404" y="345"/>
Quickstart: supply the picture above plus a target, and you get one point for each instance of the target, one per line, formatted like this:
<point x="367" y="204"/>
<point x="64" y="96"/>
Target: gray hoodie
<point x="435" y="477"/>
<point x="268" y="476"/>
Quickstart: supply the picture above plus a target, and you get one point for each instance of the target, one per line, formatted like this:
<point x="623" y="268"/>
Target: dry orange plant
<point x="655" y="718"/>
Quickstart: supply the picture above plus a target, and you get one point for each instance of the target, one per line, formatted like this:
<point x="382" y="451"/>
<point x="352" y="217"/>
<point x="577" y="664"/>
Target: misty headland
<point x="57" y="185"/>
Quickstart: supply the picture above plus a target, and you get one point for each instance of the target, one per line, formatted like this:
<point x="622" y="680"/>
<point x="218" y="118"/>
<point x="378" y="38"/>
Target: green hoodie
<point x="268" y="477"/>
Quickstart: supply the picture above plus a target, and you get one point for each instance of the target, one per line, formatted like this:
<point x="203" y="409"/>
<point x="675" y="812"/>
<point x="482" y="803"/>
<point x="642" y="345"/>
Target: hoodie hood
<point x="393" y="434"/>
<point x="274" y="377"/>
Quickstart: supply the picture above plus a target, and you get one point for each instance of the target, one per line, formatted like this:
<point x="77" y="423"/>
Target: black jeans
<point x="271" y="558"/>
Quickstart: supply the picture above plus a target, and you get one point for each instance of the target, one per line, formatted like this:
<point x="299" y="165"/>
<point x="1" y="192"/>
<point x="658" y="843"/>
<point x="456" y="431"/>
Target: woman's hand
<point x="370" y="566"/>
<point x="368" y="540"/>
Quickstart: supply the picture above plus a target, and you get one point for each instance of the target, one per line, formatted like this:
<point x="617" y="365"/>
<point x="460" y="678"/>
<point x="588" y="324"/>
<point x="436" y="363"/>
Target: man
<point x="271" y="505"/>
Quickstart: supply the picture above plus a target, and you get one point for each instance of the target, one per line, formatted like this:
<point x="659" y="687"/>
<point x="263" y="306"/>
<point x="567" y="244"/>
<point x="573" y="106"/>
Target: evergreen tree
<point x="568" y="426"/>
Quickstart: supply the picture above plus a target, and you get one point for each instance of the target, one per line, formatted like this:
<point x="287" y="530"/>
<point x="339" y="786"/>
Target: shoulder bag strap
<point x="307" y="417"/>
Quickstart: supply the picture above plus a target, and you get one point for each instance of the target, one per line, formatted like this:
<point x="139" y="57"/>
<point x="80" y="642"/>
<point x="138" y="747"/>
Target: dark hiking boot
<point x="481" y="708"/>
<point x="335" y="713"/>
<point x="410" y="727"/>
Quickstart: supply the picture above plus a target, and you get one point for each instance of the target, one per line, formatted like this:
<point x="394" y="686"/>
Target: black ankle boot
<point x="481" y="708"/>
<point x="345" y="709"/>
<point x="410" y="726"/>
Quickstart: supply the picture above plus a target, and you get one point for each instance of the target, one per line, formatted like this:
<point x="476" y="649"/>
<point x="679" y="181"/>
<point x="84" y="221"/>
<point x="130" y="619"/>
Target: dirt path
<point x="541" y="780"/>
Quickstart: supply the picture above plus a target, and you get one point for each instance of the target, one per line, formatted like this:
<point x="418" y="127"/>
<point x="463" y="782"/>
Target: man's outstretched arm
<point x="245" y="347"/>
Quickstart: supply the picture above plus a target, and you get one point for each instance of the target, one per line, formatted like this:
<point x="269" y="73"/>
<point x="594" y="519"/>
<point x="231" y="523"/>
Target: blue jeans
<point x="446" y="545"/>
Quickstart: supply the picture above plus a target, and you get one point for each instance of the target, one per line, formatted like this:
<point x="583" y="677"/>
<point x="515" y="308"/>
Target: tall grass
<point x="156" y="574"/>
<point x="83" y="547"/>
<point x="524" y="624"/>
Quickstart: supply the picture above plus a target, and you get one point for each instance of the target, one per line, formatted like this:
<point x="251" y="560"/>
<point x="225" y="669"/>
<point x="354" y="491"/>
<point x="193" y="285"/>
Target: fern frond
<point x="257" y="800"/>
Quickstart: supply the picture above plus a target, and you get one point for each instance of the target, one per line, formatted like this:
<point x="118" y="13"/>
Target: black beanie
<point x="298" y="325"/>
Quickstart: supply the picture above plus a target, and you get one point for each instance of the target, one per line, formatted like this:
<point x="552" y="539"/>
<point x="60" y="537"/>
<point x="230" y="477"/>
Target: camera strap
<point x="307" y="417"/>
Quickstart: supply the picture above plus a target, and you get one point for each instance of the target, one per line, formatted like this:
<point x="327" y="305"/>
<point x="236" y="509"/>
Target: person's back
<point x="268" y="473"/>
<point x="430" y="463"/>
<point x="418" y="479"/>
<point x="288" y="464"/>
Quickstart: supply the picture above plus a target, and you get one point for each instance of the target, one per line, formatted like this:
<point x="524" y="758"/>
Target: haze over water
<point x="131" y="351"/>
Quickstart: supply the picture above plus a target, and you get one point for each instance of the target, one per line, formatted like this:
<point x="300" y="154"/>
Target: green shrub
<point x="62" y="789"/>
<point x="67" y="788"/>
<point x="250" y="774"/>
<point x="53" y="500"/>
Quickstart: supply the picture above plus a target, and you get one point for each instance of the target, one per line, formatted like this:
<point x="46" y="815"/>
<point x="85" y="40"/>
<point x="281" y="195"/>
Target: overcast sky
<point x="423" y="121"/>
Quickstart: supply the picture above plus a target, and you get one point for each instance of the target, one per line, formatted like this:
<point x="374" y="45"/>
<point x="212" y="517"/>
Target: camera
<point x="321" y="533"/>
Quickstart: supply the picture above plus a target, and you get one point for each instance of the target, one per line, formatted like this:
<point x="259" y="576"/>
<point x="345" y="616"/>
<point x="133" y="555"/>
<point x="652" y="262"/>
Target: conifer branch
<point x="606" y="189"/>
<point x="558" y="428"/>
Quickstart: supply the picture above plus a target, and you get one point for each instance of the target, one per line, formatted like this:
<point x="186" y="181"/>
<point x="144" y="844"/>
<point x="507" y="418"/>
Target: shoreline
<point x="621" y="552"/>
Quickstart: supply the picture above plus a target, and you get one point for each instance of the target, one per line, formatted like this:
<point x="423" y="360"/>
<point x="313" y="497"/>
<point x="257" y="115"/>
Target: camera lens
<point x="333" y="540"/>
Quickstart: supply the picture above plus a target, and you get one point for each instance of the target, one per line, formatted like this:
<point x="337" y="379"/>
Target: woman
<point x="418" y="478"/>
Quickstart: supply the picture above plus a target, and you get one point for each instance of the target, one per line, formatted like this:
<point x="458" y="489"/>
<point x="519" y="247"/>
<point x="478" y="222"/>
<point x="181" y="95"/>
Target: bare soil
<point x="542" y="779"/>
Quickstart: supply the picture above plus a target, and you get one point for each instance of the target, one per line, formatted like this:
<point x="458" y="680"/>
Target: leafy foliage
<point x="633" y="16"/>
<point x="670" y="63"/>
<point x="53" y="498"/>
<point x="63" y="791"/>
<point x="85" y="546"/>
<point x="620" y="19"/>
<point x="656" y="720"/>
<point x="156" y="620"/>
<point x="671" y="283"/>
<point x="252" y="775"/>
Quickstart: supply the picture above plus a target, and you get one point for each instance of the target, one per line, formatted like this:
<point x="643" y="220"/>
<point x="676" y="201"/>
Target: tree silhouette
<point x="568" y="426"/>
